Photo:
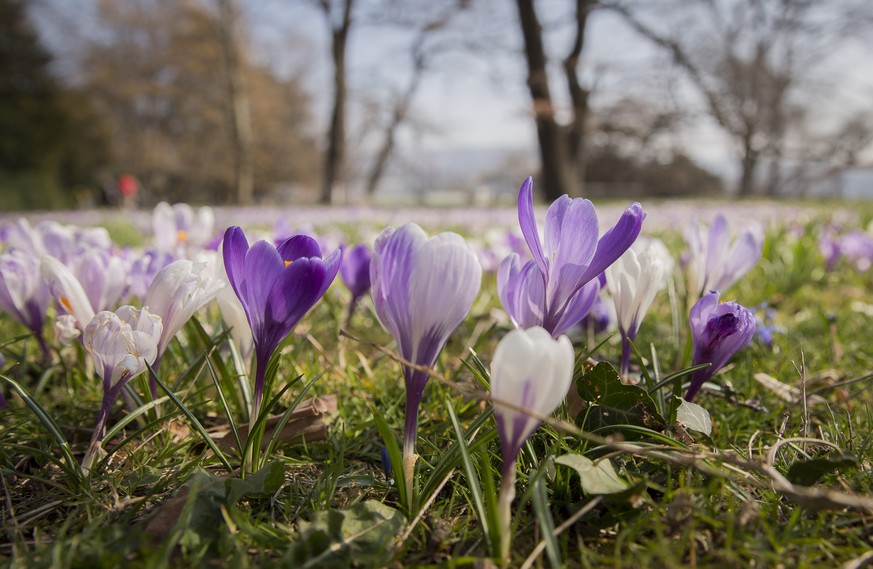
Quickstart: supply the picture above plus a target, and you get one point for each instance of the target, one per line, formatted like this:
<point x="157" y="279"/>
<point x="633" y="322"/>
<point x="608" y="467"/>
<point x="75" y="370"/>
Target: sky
<point x="481" y="102"/>
<point x="477" y="101"/>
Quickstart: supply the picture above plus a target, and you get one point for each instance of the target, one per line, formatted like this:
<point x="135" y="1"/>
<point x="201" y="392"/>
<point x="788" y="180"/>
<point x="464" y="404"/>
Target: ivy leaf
<point x="356" y="537"/>
<point x="611" y="402"/>
<point x="262" y="483"/>
<point x="808" y="472"/>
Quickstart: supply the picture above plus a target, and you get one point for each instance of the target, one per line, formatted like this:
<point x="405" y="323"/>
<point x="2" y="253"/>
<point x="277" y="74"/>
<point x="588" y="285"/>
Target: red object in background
<point x="127" y="185"/>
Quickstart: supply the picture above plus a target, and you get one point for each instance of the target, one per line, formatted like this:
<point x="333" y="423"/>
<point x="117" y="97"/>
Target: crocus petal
<point x="617" y="240"/>
<point x="528" y="222"/>
<point x="570" y="243"/>
<point x="298" y="246"/>
<point x="234" y="248"/>
<point x="67" y="290"/>
<point x="578" y="307"/>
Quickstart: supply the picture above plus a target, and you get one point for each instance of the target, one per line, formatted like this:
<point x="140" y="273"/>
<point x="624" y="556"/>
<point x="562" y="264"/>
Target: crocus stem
<point x="350" y="311"/>
<point x="410" y="434"/>
<point x="46" y="352"/>
<point x="153" y="385"/>
<point x="625" y="355"/>
<point x="109" y="396"/>
<point x="253" y="454"/>
<point x="504" y="513"/>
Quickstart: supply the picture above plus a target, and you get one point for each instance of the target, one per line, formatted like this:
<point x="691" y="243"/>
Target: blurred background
<point x="240" y="102"/>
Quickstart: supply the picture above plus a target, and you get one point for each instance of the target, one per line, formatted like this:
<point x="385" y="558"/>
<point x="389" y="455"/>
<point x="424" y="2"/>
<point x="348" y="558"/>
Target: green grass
<point x="699" y="502"/>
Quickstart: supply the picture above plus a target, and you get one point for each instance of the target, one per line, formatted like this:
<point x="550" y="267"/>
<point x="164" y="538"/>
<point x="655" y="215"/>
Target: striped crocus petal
<point x="530" y="375"/>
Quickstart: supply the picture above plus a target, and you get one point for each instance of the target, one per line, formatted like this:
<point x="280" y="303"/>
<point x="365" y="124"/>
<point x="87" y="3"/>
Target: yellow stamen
<point x="288" y="263"/>
<point x="182" y="235"/>
<point x="65" y="302"/>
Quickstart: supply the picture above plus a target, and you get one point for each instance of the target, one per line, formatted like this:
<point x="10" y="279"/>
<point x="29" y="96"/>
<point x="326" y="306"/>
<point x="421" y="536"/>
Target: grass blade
<point x="70" y="464"/>
<point x="472" y="479"/>
<point x="193" y="420"/>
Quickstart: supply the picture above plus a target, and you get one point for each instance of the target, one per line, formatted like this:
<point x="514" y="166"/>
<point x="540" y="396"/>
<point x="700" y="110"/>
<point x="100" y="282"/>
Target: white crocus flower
<point x="179" y="228"/>
<point x="633" y="281"/>
<point x="178" y="291"/>
<point x="532" y="372"/>
<point x="121" y="344"/>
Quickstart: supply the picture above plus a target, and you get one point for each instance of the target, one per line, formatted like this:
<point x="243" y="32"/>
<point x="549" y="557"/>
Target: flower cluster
<point x="127" y="307"/>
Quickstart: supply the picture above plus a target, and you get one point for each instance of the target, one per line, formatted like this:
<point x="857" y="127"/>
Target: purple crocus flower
<point x="355" y="270"/>
<point x="558" y="287"/>
<point x="276" y="286"/>
<point x="713" y="262"/>
<point x="422" y="290"/>
<point x="718" y="331"/>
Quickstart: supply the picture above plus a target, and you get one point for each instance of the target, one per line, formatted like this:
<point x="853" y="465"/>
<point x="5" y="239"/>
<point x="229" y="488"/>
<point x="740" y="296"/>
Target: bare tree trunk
<point x="238" y="98"/>
<point x="335" y="157"/>
<point x="749" y="166"/>
<point x="576" y="130"/>
<point x="553" y="153"/>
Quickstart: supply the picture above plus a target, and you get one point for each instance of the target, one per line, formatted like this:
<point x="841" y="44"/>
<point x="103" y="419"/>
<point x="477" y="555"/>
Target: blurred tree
<point x="338" y="14"/>
<point x="562" y="146"/>
<point x="749" y="59"/>
<point x="50" y="139"/>
<point x="153" y="75"/>
<point x="238" y="100"/>
<point x="426" y="22"/>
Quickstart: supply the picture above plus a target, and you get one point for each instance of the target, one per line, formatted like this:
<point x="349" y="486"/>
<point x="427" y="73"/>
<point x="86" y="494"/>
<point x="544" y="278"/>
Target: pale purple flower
<point x="857" y="248"/>
<point x="121" y="343"/>
<point x="178" y="291"/>
<point x="557" y="288"/>
<point x="422" y="289"/>
<point x="530" y="375"/>
<point x="23" y="292"/>
<point x="713" y="262"/>
<point x="718" y="331"/>
<point x="144" y="268"/>
<point x="180" y="229"/>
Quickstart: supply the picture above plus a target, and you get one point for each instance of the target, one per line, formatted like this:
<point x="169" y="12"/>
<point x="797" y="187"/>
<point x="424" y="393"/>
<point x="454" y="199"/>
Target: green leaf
<point x="611" y="402"/>
<point x="357" y="537"/>
<point x="808" y="472"/>
<point x="262" y="483"/>
<point x="598" y="477"/>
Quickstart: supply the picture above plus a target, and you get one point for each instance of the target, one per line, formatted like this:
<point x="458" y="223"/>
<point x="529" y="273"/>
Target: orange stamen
<point x="182" y="235"/>
<point x="288" y="263"/>
<point x="66" y="304"/>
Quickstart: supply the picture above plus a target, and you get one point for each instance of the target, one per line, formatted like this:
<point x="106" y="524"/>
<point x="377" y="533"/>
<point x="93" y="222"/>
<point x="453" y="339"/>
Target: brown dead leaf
<point x="306" y="423"/>
<point x="784" y="391"/>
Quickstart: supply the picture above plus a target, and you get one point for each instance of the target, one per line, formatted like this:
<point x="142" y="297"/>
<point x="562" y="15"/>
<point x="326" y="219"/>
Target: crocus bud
<point x="718" y="331"/>
<point x="530" y="375"/>
<point x="633" y="281"/>
<point x="355" y="270"/>
<point x="178" y="291"/>
<point x="422" y="290"/>
<point x="532" y="372"/>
